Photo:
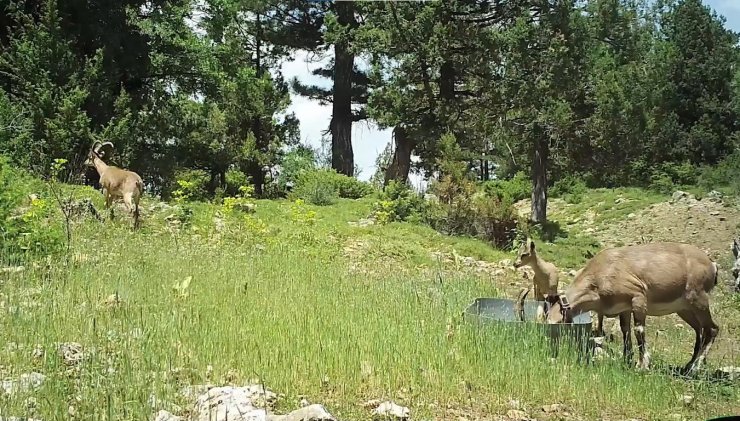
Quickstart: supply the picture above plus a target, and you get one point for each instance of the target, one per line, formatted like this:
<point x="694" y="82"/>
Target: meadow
<point x="320" y="307"/>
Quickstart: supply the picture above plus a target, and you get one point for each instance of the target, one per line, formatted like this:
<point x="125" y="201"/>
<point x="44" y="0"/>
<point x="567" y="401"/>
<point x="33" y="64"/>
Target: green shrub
<point x="316" y="187"/>
<point x="725" y="175"/>
<point x="191" y="185"/>
<point x="398" y="202"/>
<point x="571" y="188"/>
<point x="352" y="188"/>
<point x="9" y="197"/>
<point x="682" y="173"/>
<point x="462" y="210"/>
<point x="516" y="188"/>
<point x="322" y="186"/>
<point x="26" y="221"/>
<point x="495" y="220"/>
<point x="669" y="175"/>
<point x="293" y="164"/>
<point x="661" y="182"/>
<point x="235" y="179"/>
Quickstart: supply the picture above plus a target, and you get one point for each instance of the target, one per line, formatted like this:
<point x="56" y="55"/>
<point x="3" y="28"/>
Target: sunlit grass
<point x="288" y="306"/>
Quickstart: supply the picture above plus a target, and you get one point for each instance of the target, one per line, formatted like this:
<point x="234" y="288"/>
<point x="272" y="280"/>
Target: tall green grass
<point x="284" y="306"/>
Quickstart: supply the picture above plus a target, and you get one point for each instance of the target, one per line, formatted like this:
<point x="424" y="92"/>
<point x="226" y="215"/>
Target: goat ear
<point x="531" y="246"/>
<point x="736" y="248"/>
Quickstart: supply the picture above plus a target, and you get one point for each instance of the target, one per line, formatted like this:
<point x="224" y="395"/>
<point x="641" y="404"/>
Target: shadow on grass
<point x="717" y="376"/>
<point x="549" y="231"/>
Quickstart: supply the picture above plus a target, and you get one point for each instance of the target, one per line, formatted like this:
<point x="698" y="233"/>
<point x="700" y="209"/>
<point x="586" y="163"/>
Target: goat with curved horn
<point x="653" y="279"/>
<point x="545" y="275"/>
<point x="116" y="183"/>
<point x="519" y="305"/>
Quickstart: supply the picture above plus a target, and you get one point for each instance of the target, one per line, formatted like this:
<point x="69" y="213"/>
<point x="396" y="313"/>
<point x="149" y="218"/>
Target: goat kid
<point x="655" y="279"/>
<point x="117" y="183"/>
<point x="545" y="276"/>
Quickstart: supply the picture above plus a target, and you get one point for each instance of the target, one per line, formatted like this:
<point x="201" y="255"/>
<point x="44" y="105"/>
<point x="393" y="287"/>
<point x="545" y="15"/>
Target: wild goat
<point x="545" y="276"/>
<point x="654" y="279"/>
<point x="736" y="266"/>
<point x="116" y="182"/>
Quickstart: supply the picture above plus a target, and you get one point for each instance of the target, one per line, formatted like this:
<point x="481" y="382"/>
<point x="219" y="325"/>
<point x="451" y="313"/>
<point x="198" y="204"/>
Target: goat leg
<point x="709" y="331"/>
<point x="639" y="313"/>
<point x="625" y="324"/>
<point x="598" y="330"/>
<point x="136" y="216"/>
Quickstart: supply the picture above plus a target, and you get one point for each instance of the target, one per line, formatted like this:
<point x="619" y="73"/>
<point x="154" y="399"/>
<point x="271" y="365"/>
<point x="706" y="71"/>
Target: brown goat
<point x="545" y="275"/>
<point x="654" y="279"/>
<point x="116" y="182"/>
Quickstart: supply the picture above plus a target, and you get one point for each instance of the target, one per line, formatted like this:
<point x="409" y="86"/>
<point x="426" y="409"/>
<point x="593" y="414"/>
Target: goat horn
<point x="95" y="145"/>
<point x="520" y="303"/>
<point x="107" y="144"/>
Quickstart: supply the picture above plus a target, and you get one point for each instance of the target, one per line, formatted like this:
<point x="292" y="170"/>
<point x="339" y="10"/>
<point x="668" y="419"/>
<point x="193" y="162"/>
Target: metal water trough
<point x="497" y="310"/>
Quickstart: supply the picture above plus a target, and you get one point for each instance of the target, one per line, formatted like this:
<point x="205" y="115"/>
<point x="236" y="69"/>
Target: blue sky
<point x="367" y="140"/>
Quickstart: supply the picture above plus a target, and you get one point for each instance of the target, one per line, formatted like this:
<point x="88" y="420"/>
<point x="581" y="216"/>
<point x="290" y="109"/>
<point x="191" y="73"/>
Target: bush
<point x="516" y="188"/>
<point x="462" y="210"/>
<point x="680" y="173"/>
<point x="571" y="188"/>
<point x="316" y="187"/>
<point x="293" y="164"/>
<point x="352" y="188"/>
<point x="235" y="180"/>
<point x="726" y="175"/>
<point x="398" y="202"/>
<point x="25" y="221"/>
<point x="191" y="185"/>
<point x="668" y="175"/>
<point x="490" y="218"/>
<point x="661" y="183"/>
<point x="495" y="220"/>
<point x="323" y="186"/>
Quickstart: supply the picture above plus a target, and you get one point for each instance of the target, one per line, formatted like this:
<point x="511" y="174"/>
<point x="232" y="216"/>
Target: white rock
<point x="731" y="372"/>
<point x="687" y="399"/>
<point x="313" y="412"/>
<point x="246" y="207"/>
<point x="12" y="269"/>
<point x="556" y="407"/>
<point x="24" y="383"/>
<point x="517" y="415"/>
<point x="166" y="416"/>
<point x="71" y="352"/>
<point x="233" y="404"/>
<point x="390" y="410"/>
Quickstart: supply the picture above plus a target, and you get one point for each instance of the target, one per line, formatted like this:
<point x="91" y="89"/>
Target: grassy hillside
<point x="316" y="304"/>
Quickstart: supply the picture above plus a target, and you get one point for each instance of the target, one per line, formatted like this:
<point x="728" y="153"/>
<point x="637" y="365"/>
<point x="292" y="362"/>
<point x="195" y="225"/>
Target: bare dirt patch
<point x="707" y="224"/>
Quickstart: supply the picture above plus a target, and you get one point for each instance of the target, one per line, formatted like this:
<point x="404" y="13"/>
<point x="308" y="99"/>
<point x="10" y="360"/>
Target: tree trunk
<point x="255" y="168"/>
<point x="447" y="80"/>
<point x="342" y="157"/>
<point x="539" y="179"/>
<point x="401" y="164"/>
